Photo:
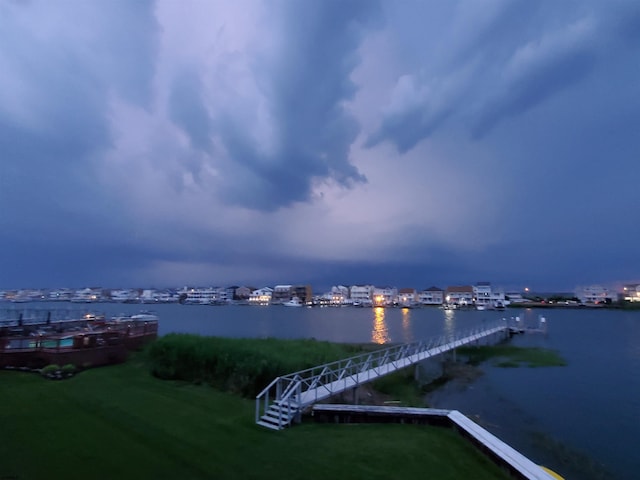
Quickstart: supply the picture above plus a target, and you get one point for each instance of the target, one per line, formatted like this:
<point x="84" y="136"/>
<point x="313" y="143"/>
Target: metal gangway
<point x="284" y="399"/>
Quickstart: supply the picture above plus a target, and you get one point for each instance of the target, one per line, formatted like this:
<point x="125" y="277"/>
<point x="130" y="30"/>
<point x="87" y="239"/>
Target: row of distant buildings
<point x="482" y="294"/>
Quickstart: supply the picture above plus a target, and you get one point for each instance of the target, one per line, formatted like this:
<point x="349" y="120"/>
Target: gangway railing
<point x="284" y="399"/>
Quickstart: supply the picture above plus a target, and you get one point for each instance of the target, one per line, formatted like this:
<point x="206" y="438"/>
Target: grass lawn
<point x="119" y="422"/>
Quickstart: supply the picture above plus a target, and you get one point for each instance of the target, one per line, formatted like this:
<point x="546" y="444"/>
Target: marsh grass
<point x="509" y="356"/>
<point x="243" y="366"/>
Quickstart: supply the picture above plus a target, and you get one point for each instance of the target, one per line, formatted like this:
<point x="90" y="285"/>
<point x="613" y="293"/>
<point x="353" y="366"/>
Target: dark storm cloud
<point x="307" y="82"/>
<point x="56" y="122"/>
<point x="522" y="56"/>
<point x="187" y="110"/>
<point x="161" y="144"/>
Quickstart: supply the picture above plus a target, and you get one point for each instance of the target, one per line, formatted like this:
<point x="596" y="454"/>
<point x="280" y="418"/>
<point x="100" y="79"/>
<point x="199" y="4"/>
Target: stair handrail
<point x="265" y="394"/>
<point x="421" y="345"/>
<point x="312" y="377"/>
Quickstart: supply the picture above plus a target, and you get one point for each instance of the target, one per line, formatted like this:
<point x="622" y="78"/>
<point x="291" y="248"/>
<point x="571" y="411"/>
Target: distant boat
<point x="480" y="306"/>
<point x="294" y="302"/>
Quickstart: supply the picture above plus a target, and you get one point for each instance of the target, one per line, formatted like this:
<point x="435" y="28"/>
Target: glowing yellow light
<point x="379" y="334"/>
<point x="406" y="325"/>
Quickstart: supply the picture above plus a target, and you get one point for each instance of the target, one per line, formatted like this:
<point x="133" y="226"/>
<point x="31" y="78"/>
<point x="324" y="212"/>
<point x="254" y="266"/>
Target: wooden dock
<point x="518" y="466"/>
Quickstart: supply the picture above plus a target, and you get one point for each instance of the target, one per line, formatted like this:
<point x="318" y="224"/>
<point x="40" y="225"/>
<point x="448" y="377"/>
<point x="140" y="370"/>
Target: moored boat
<point x="294" y="302"/>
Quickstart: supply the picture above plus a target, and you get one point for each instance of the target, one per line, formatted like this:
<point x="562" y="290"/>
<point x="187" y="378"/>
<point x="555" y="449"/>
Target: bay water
<point x="582" y="420"/>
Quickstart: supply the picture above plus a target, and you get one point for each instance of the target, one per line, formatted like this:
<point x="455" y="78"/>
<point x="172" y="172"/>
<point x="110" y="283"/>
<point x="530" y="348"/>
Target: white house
<point x="86" y="295"/>
<point x="362" y="294"/>
<point x="123" y="295"/>
<point x="261" y="296"/>
<point x="201" y="295"/>
<point x="431" y="296"/>
<point x="385" y="295"/>
<point x="60" y="294"/>
<point x="407" y="296"/>
<point x="485" y="295"/>
<point x="339" y="295"/>
<point x="631" y="292"/>
<point x="459" y="295"/>
<point x="482" y="294"/>
<point x="593" y="294"/>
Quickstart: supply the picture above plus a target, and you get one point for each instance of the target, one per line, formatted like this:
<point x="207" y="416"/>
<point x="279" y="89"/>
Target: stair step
<point x="275" y="419"/>
<point x="269" y="425"/>
<point x="294" y="406"/>
<point x="276" y="412"/>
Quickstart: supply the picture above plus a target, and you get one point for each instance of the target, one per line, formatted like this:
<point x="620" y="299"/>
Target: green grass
<point x="121" y="422"/>
<point x="509" y="356"/>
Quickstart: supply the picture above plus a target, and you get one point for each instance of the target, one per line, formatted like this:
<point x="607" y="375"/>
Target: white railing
<point x="298" y="390"/>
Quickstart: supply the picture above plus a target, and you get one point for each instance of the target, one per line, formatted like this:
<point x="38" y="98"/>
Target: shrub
<point x="50" y="369"/>
<point x="68" y="368"/>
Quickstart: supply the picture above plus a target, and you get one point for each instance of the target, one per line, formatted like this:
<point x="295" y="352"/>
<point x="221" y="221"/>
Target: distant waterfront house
<point x="86" y="295"/>
<point x="362" y="294"/>
<point x="431" y="296"/>
<point x="482" y="293"/>
<point x="282" y="293"/>
<point x="228" y="295"/>
<point x="339" y="295"/>
<point x="60" y="294"/>
<point x="485" y="295"/>
<point x="124" y="295"/>
<point x="593" y="294"/>
<point x="385" y="295"/>
<point x="261" y="296"/>
<point x="407" y="296"/>
<point x="459" y="295"/>
<point x="165" y="296"/>
<point x="200" y="295"/>
<point x="303" y="292"/>
<point x="10" y="295"/>
<point x="223" y="294"/>
<point x="148" y="295"/>
<point x="631" y="292"/>
<point x="242" y="293"/>
<point x="29" y="295"/>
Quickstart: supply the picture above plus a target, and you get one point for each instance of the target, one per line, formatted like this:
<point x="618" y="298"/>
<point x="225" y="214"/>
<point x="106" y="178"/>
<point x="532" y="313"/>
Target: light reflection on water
<point x="407" y="333"/>
<point x="449" y="322"/>
<point x="380" y="332"/>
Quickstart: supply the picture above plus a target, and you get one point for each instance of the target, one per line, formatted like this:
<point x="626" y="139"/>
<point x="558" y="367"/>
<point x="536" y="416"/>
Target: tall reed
<point x="242" y="366"/>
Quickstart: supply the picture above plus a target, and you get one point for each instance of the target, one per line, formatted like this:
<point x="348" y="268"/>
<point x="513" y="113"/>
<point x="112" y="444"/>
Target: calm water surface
<point x="583" y="420"/>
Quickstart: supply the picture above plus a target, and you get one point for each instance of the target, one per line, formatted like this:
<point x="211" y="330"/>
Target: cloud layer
<point x="324" y="142"/>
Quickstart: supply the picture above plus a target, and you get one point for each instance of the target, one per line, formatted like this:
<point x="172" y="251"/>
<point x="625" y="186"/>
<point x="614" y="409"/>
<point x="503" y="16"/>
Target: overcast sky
<point x="406" y="143"/>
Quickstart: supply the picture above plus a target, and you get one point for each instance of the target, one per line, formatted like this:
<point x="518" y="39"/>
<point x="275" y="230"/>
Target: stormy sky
<point x="406" y="143"/>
